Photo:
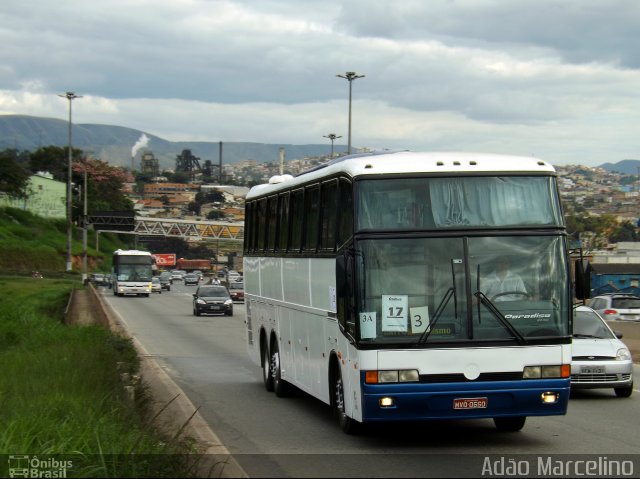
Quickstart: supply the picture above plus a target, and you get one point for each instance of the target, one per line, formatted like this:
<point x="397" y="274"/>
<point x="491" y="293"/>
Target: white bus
<point x="132" y="272"/>
<point x="370" y="283"/>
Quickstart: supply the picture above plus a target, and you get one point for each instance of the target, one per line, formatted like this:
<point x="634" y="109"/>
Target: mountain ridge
<point x="115" y="144"/>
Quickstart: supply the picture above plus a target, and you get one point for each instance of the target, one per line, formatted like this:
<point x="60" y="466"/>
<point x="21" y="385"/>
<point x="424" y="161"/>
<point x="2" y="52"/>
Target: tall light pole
<point x="332" y="137"/>
<point x="69" y="96"/>
<point x="350" y="76"/>
<point x="85" y="276"/>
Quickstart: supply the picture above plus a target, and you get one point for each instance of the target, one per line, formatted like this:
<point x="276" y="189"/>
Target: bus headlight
<point x="546" y="372"/>
<point x="392" y="376"/>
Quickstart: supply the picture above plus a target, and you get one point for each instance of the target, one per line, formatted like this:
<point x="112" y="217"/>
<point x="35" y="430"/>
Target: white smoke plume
<point x="141" y="143"/>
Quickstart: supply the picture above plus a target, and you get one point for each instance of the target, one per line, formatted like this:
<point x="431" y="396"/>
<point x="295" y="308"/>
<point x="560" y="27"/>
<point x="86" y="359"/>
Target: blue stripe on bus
<point x="415" y="401"/>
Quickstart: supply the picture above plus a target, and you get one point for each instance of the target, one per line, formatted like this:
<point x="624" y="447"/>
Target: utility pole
<point x="69" y="96"/>
<point x="350" y="76"/>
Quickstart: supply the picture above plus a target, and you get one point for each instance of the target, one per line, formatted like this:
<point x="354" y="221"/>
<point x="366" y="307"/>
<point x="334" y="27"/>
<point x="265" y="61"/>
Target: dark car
<point x="212" y="299"/>
<point x="236" y="291"/>
<point x="165" y="280"/>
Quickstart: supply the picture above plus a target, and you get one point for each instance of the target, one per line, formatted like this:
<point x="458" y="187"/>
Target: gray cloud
<point x="558" y="77"/>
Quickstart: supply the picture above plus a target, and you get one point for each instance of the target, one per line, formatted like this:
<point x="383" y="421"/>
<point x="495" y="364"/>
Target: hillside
<point x="115" y="143"/>
<point x="628" y="167"/>
<point x="32" y="243"/>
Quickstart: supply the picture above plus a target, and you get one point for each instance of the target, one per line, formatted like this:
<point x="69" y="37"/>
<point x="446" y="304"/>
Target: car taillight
<point x="610" y="311"/>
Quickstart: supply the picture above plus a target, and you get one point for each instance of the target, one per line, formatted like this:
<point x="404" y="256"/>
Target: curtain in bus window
<point x="487" y="201"/>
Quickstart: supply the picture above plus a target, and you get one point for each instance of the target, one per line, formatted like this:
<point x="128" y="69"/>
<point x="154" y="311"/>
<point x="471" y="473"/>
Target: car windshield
<point x="236" y="285"/>
<point x="155" y="280"/>
<point x="213" y="292"/>
<point x="625" y="303"/>
<point x="589" y="324"/>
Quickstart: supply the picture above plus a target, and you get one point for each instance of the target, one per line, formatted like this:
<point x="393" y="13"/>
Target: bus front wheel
<point x="347" y="424"/>
<point x="509" y="424"/>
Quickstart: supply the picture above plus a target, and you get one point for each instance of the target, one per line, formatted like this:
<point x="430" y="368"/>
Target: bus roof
<point x="131" y="252"/>
<point x="404" y="162"/>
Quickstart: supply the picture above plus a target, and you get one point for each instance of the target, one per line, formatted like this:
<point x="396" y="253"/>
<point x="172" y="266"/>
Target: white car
<point x="156" y="285"/>
<point x="600" y="359"/>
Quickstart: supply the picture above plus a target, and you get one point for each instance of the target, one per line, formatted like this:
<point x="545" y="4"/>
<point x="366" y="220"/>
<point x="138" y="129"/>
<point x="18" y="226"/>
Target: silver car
<point x="617" y="306"/>
<point x="600" y="359"/>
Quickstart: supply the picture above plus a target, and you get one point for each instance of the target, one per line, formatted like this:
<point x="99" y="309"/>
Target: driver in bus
<point x="503" y="284"/>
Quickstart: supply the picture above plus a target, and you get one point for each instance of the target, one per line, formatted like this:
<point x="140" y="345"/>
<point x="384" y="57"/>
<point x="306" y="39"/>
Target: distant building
<point x="46" y="197"/>
<point x="149" y="164"/>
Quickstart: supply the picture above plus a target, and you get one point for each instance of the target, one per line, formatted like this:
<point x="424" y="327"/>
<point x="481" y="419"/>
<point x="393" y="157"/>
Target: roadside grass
<point x="61" y="392"/>
<point x="31" y="243"/>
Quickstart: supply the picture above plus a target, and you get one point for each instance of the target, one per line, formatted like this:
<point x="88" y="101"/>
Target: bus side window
<point x="283" y="222"/>
<point x="312" y="217"/>
<point x="345" y="213"/>
<point x="329" y="213"/>
<point x="297" y="216"/>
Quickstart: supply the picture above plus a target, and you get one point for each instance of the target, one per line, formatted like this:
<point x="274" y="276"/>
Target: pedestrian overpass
<point x="188" y="229"/>
<point x="144" y="227"/>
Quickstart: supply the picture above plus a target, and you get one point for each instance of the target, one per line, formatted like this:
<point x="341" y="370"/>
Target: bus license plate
<point x="470" y="403"/>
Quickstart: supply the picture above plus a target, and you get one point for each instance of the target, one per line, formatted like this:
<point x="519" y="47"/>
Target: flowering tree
<point x="105" y="184"/>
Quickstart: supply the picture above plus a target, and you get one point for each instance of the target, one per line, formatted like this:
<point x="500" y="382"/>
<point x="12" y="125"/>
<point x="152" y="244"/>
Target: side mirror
<point x="582" y="279"/>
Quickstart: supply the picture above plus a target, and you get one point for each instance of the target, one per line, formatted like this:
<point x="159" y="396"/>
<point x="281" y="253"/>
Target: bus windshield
<point x="430" y="290"/>
<point x="445" y="203"/>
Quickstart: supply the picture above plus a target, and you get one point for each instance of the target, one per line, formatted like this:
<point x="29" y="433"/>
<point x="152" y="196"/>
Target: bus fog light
<point x="549" y="397"/>
<point x="387" y="402"/>
<point x="408" y="376"/>
<point x="387" y="376"/>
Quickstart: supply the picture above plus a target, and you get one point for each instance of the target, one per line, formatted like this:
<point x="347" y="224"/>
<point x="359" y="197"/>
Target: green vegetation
<point x="32" y="243"/>
<point x="61" y="393"/>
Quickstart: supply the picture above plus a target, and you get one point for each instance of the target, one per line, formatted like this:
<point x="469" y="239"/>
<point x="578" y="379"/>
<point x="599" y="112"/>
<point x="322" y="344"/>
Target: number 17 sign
<point x="395" y="311"/>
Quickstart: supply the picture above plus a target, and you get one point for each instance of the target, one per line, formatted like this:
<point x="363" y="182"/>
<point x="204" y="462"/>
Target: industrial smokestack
<point x="281" y="160"/>
<point x="141" y="143"/>
<point x="220" y="166"/>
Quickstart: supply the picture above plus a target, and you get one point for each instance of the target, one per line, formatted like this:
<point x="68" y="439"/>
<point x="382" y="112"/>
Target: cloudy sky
<point x="557" y="79"/>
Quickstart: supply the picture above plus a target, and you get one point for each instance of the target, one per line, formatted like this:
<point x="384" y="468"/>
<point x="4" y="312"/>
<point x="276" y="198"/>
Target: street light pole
<point x="69" y="96"/>
<point x="332" y="137"/>
<point x="84" y="229"/>
<point x="350" y="76"/>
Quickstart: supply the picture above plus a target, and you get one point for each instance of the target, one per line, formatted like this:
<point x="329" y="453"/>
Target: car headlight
<point x="201" y="301"/>
<point x="623" y="354"/>
<point x="228" y="302"/>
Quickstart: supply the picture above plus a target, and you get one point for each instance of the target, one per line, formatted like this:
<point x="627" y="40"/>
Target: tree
<point x="13" y="177"/>
<point x="54" y="160"/>
<point x="215" y="215"/>
<point x="104" y="186"/>
<point x="624" y="232"/>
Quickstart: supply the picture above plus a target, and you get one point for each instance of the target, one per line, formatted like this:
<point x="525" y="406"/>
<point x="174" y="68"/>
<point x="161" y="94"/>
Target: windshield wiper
<point x="586" y="336"/>
<point x="486" y="302"/>
<point x="443" y="304"/>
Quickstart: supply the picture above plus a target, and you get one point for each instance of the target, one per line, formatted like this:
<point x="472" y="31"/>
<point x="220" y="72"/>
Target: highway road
<point x="298" y="437"/>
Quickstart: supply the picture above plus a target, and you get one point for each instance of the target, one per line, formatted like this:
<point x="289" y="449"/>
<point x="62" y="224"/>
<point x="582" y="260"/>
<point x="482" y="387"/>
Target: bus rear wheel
<point x="266" y="370"/>
<point x="281" y="387"/>
<point x="509" y="424"/>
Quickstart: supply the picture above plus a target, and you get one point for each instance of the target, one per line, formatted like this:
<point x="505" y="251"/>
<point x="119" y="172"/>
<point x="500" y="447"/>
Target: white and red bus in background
<point x="366" y="286"/>
<point x="132" y="271"/>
